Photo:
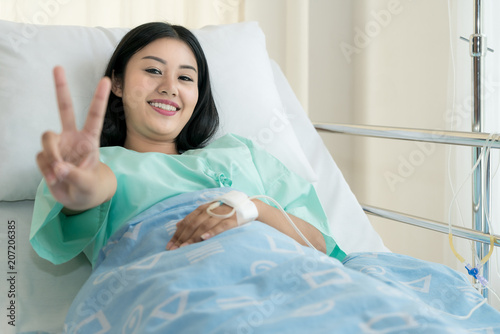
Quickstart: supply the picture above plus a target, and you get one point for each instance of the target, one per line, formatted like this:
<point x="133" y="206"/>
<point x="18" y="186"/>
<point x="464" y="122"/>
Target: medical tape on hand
<point x="245" y="209"/>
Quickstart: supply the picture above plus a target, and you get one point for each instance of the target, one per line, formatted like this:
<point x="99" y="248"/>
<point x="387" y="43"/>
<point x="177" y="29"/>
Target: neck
<point x="145" y="145"/>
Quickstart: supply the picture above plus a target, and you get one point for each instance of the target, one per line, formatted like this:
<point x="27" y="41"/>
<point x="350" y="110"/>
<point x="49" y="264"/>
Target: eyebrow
<point x="164" y="62"/>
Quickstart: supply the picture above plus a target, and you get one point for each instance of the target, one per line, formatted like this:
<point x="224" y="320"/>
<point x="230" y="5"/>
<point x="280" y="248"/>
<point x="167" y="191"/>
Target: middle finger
<point x="207" y="224"/>
<point x="64" y="100"/>
<point x="185" y="229"/>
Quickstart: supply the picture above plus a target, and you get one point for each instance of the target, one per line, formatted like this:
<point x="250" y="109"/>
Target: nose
<point x="168" y="86"/>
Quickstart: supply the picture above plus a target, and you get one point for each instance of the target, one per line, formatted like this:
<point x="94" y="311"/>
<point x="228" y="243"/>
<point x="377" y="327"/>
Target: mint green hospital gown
<point x="145" y="179"/>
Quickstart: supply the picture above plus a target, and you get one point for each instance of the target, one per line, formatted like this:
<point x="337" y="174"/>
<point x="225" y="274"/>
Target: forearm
<point x="275" y="218"/>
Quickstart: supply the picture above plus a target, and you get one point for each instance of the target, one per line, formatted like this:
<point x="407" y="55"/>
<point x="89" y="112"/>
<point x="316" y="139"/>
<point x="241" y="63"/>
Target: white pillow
<point x="242" y="80"/>
<point x="348" y="222"/>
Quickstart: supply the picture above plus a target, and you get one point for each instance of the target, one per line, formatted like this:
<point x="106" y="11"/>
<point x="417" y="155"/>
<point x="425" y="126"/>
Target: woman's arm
<point x="199" y="226"/>
<point x="275" y="218"/>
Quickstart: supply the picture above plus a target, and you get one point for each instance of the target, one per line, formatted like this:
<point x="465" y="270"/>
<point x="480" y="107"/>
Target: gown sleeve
<point x="57" y="237"/>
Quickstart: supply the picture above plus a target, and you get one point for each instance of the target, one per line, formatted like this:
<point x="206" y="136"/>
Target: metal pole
<point x="480" y="179"/>
<point x="461" y="232"/>
<point x="476" y="139"/>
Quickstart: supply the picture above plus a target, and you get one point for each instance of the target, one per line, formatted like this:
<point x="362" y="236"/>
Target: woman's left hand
<point x="199" y="225"/>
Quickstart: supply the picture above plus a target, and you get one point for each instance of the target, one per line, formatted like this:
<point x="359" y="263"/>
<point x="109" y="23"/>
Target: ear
<point x="116" y="85"/>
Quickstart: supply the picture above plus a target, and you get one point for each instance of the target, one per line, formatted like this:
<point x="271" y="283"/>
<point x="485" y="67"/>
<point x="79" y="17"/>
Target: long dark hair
<point x="204" y="121"/>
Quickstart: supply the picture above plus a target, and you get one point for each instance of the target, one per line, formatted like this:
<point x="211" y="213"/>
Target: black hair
<point x="203" y="122"/>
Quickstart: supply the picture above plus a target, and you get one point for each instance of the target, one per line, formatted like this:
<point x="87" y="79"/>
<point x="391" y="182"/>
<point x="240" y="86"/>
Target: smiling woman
<point x="164" y="64"/>
<point x="159" y="95"/>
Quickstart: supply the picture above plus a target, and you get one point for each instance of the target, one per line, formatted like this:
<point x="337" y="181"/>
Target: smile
<point x="163" y="106"/>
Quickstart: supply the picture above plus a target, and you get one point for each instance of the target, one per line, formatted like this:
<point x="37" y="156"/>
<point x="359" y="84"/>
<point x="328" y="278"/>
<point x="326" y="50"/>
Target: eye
<point x="185" y="78"/>
<point x="153" y="71"/>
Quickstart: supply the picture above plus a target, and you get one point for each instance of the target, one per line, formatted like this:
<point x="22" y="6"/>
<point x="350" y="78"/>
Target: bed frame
<point x="481" y="233"/>
<point x="481" y="178"/>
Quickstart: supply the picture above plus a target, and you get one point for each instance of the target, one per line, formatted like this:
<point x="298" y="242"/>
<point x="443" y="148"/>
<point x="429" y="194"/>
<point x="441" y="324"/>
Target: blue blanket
<point x="254" y="279"/>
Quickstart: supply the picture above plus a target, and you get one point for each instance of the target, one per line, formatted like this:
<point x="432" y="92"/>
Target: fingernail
<point x="174" y="248"/>
<point x="184" y="244"/>
<point x="169" y="244"/>
<point x="205" y="236"/>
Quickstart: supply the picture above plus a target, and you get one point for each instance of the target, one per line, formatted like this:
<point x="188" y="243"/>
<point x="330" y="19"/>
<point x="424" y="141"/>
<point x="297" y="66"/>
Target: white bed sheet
<point x="43" y="291"/>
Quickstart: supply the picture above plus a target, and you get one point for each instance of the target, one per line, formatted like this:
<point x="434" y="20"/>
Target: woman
<point x="159" y="114"/>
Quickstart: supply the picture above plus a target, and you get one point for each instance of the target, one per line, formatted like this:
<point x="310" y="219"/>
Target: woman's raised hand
<point x="69" y="161"/>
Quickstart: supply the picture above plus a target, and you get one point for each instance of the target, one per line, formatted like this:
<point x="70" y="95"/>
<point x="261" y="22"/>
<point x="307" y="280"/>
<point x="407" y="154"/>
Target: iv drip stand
<point x="481" y="177"/>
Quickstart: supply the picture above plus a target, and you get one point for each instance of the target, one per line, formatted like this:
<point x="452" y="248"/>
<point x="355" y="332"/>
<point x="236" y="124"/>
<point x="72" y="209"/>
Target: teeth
<point x="163" y="106"/>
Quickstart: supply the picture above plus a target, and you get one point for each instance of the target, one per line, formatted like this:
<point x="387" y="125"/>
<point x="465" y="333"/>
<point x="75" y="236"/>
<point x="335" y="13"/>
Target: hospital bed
<point x="241" y="71"/>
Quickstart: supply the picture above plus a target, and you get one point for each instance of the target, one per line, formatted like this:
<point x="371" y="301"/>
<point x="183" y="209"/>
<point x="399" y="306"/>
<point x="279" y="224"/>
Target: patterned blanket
<point x="254" y="279"/>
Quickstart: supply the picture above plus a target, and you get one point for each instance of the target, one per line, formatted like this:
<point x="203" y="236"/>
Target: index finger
<point x="64" y="100"/>
<point x="97" y="110"/>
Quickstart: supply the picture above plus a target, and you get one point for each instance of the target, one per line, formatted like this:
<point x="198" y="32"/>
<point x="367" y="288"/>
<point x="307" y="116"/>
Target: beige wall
<point x="399" y="77"/>
<point x="286" y="24"/>
<point x="331" y="78"/>
<point x="406" y="75"/>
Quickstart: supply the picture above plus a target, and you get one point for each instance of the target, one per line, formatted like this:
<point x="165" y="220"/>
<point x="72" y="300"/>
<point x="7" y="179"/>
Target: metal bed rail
<point x="481" y="234"/>
<point x="474" y="139"/>
<point x="433" y="225"/>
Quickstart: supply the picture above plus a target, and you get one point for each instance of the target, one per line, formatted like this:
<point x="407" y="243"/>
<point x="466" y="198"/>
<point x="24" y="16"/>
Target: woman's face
<point x="159" y="92"/>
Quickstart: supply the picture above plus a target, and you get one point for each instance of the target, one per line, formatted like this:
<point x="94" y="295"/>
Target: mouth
<point x="168" y="108"/>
